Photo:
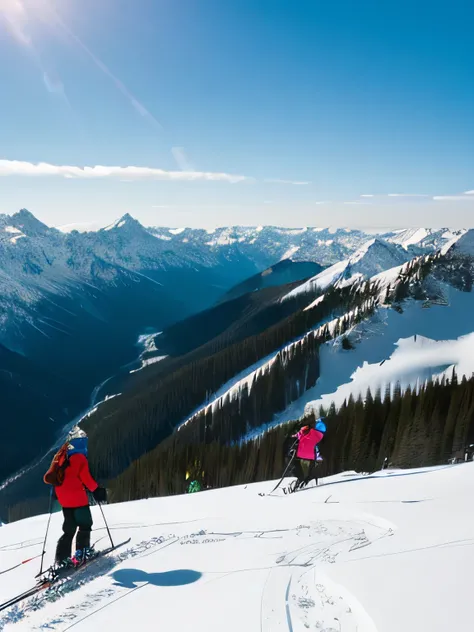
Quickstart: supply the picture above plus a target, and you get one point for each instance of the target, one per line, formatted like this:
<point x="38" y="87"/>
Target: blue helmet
<point x="320" y="425"/>
<point x="77" y="446"/>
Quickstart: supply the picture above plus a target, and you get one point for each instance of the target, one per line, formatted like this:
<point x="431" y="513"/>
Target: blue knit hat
<point x="78" y="441"/>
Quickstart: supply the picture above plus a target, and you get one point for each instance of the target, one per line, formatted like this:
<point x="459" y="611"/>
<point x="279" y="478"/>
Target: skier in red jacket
<point x="72" y="497"/>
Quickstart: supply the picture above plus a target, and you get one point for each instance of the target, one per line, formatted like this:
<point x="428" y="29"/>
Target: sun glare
<point x="20" y="16"/>
<point x="13" y="13"/>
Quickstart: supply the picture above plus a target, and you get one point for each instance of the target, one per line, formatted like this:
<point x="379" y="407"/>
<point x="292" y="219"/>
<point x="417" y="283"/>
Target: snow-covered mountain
<point x="74" y="304"/>
<point x="46" y="275"/>
<point x="269" y="244"/>
<point x="266" y="245"/>
<point x="428" y="238"/>
<point x="373" y="257"/>
<point x="356" y="553"/>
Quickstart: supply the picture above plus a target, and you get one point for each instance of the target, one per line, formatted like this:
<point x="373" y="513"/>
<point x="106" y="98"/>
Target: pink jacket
<point x="307" y="443"/>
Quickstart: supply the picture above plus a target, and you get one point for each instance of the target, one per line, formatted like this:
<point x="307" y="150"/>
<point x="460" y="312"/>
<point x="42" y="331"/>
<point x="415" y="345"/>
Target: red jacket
<point x="71" y="493"/>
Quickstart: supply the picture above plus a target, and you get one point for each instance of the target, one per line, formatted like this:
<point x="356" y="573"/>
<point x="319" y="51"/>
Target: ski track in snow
<point x="278" y="558"/>
<point x="357" y="553"/>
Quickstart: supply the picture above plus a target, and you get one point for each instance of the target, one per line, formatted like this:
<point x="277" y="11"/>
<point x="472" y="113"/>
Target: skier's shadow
<point x="130" y="577"/>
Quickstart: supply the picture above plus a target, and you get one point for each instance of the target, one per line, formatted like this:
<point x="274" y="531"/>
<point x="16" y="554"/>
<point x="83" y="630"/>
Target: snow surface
<point x="163" y="237"/>
<point x="322" y="280"/>
<point x="149" y="361"/>
<point x="464" y="244"/>
<point x="410" y="236"/>
<point x="290" y="252"/>
<point x="177" y="231"/>
<point x="388" y="337"/>
<point x="374" y="256"/>
<point x="147" y="342"/>
<point x="14" y="239"/>
<point x="425" y="237"/>
<point x="81" y="227"/>
<point x="414" y="361"/>
<point x="382" y="553"/>
<point x="320" y="299"/>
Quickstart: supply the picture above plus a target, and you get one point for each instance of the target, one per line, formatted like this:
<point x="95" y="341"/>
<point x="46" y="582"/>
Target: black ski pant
<point x="75" y="519"/>
<point x="305" y="471"/>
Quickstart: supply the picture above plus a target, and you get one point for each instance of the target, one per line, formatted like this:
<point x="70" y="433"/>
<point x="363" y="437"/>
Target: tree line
<point x="421" y="426"/>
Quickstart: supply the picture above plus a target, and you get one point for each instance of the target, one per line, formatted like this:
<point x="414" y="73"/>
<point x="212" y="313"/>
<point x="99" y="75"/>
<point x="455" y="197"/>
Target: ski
<point x="289" y="489"/>
<point x="56" y="576"/>
<point x="28" y="593"/>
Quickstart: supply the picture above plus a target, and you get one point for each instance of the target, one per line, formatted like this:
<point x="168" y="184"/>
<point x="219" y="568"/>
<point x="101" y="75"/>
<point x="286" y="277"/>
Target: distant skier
<point x="196" y="478"/>
<point x="69" y="474"/>
<point x="307" y="453"/>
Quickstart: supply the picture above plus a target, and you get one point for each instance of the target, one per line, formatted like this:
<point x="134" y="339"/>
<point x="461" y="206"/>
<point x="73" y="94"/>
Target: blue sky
<point x="205" y="113"/>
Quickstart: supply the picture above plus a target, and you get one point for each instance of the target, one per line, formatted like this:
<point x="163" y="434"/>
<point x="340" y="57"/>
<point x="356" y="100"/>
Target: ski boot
<point x="61" y="566"/>
<point x="81" y="556"/>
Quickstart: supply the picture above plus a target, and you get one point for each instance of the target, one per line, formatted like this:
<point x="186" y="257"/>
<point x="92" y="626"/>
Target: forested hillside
<point x="417" y="427"/>
<point x="136" y="422"/>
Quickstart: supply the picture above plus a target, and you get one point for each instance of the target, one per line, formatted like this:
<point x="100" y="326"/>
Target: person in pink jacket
<point x="307" y="452"/>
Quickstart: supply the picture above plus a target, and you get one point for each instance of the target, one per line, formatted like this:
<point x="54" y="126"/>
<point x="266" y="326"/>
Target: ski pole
<point x="106" y="525"/>
<point x="47" y="529"/>
<point x="20" y="564"/>
<point x="287" y="467"/>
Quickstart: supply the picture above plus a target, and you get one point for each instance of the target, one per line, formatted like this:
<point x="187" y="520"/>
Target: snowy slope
<point x="413" y="346"/>
<point x="375" y="256"/>
<point x="424" y="237"/>
<point x="356" y="554"/>
<point x="463" y="245"/>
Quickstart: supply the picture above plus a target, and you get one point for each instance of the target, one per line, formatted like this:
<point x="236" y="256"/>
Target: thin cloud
<point x="129" y="173"/>
<point x="280" y="181"/>
<point x="469" y="192"/>
<point x="381" y="196"/>
<point x="182" y="159"/>
<point x="390" y="198"/>
<point x="409" y="195"/>
<point x="454" y="198"/>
